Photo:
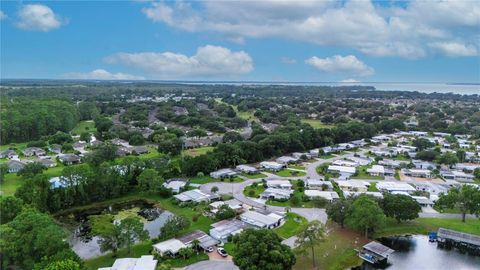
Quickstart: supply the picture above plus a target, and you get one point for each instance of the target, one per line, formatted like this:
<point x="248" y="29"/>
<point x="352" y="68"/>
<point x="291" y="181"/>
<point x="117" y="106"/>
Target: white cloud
<point x="288" y="60"/>
<point x="37" y="17"/>
<point x="394" y="30"/>
<point x="454" y="49"/>
<point x="2" y="15"/>
<point x="208" y="61"/>
<point x="101" y="74"/>
<point x="341" y="64"/>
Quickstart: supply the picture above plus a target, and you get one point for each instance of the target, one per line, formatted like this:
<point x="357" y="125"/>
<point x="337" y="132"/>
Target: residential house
<point x="247" y="169"/>
<point x="9" y="153"/>
<point x="395" y="187"/>
<point x="139" y="150"/>
<point x="46" y="162"/>
<point x="194" y="195"/>
<point x="69" y="159"/>
<point x="353" y="185"/>
<point x="15" y="166"/>
<point x="376" y="170"/>
<point x="205" y="241"/>
<point x="283" y="184"/>
<point x="271" y="165"/>
<point x="361" y="161"/>
<point x="457" y="176"/>
<point x="344" y="171"/>
<point x="79" y="146"/>
<point x="223" y="173"/>
<point x="33" y="151"/>
<point x="342" y="162"/>
<point x="420" y="164"/>
<point x="318" y="184"/>
<point x="146" y="262"/>
<point x="261" y="220"/>
<point x="421" y="173"/>
<point x="276" y="194"/>
<point x="286" y="160"/>
<point x="327" y="195"/>
<point x="176" y="184"/>
<point x="233" y="204"/>
<point x="55" y="148"/>
<point x="393" y="164"/>
<point x="222" y="230"/>
<point x="375" y="194"/>
<point x="169" y="247"/>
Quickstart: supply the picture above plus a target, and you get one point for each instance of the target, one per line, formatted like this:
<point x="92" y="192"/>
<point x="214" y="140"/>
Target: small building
<point x="33" y="151"/>
<point x="318" y="184"/>
<point x="425" y="165"/>
<point x="353" y="185"/>
<point x="376" y="170"/>
<point x="169" y="247"/>
<point x="205" y="240"/>
<point x="276" y="194"/>
<point x="139" y="150"/>
<point x="146" y="262"/>
<point x="194" y="195"/>
<point x="375" y="253"/>
<point x="175" y="185"/>
<point x="79" y="146"/>
<point x="423" y="201"/>
<point x="222" y="230"/>
<point x="233" y="204"/>
<point x="346" y="163"/>
<point x="282" y="184"/>
<point x="46" y="162"/>
<point x="327" y="195"/>
<point x="286" y="160"/>
<point x="422" y="173"/>
<point x="246" y="169"/>
<point x="15" y="166"/>
<point x="69" y="159"/>
<point x="55" y="148"/>
<point x="259" y="220"/>
<point x="393" y="164"/>
<point x="271" y="165"/>
<point x="361" y="161"/>
<point x="223" y="173"/>
<point x="395" y="187"/>
<point x="374" y="194"/>
<point x="457" y="176"/>
<point x="9" y="153"/>
<point x="342" y="170"/>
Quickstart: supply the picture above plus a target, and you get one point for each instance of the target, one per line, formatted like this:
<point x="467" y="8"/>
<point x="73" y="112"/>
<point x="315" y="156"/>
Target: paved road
<point x="211" y="265"/>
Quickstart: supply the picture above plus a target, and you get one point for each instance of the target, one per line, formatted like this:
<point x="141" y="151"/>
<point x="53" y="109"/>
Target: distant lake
<point x="415" y="252"/>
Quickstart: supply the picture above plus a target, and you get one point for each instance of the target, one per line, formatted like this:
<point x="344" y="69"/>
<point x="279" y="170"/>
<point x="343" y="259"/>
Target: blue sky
<point x="419" y="41"/>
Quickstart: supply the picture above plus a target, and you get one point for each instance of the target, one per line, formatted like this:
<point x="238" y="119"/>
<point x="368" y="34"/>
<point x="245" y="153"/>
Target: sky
<point x="278" y="41"/>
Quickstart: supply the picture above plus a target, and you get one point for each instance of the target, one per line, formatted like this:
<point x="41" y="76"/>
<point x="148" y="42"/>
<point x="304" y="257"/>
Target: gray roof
<point x="378" y="249"/>
<point x="459" y="236"/>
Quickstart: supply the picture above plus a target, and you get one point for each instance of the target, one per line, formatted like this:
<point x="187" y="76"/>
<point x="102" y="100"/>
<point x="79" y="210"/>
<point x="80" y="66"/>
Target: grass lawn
<point x="254" y="176"/>
<point x="230" y="248"/>
<point x="336" y="252"/>
<point x="201" y="180"/>
<point x="292" y="226"/>
<point x="362" y="174"/>
<point x="83" y="126"/>
<point x="373" y="187"/>
<point x="297" y="167"/>
<point x="289" y="173"/>
<point x="257" y="190"/>
<point x="18" y="146"/>
<point x="11" y="182"/>
<point x="316" y="123"/>
<point x="248" y="115"/>
<point x="296" y="193"/>
<point x="328" y="156"/>
<point x="425" y="225"/>
<point x="198" y="151"/>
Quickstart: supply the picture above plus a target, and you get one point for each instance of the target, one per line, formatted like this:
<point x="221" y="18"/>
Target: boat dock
<point x="375" y="253"/>
<point x="463" y="241"/>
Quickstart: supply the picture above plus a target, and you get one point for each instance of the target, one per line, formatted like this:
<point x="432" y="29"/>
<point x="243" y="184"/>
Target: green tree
<point x="85" y="136"/>
<point x="171" y="146"/>
<point x="447" y="158"/>
<point x="31" y="169"/>
<point x="365" y="215"/>
<point x="35" y="191"/>
<point x="10" y="207"/>
<point x="173" y="227"/>
<point x="400" y="207"/>
<point x="87" y="110"/>
<point x="136" y="139"/>
<point x="476" y="173"/>
<point x="261" y="249"/>
<point x="185" y="252"/>
<point x="466" y="199"/>
<point x="3" y="171"/>
<point x="310" y="236"/>
<point x="149" y="180"/>
<point x="64" y="265"/>
<point x="338" y="210"/>
<point x="30" y="236"/>
<point x="225" y="212"/>
<point x="132" y="230"/>
<point x="422" y="144"/>
<point x="214" y="189"/>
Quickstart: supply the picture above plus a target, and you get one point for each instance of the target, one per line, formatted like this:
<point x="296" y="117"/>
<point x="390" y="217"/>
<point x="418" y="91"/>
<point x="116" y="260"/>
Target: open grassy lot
<point x="201" y="180"/>
<point x="292" y="226"/>
<point x="362" y="174"/>
<point x="296" y="167"/>
<point x="289" y="173"/>
<point x="254" y="176"/>
<point x="257" y="190"/>
<point x="328" y="156"/>
<point x="18" y="146"/>
<point x="10" y="184"/>
<point x="198" y="151"/>
<point x="83" y="126"/>
<point x="316" y="123"/>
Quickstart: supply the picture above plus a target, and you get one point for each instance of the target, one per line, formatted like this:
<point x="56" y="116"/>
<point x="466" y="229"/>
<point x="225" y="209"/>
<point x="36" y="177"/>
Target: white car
<point x="209" y="249"/>
<point x="222" y="252"/>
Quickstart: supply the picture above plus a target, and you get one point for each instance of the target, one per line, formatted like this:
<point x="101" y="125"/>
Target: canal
<point x="415" y="252"/>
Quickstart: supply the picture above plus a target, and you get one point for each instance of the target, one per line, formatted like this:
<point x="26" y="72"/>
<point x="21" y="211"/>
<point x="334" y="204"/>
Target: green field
<point x="316" y="123"/>
<point x="254" y="176"/>
<point x="297" y="167"/>
<point x="11" y="182"/>
<point x="289" y="173"/>
<point x="198" y="151"/>
<point x="83" y="126"/>
<point x="292" y="226"/>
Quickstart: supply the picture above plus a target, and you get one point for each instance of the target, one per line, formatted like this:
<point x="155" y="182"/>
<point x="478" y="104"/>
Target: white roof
<point x="329" y="195"/>
<point x="342" y="169"/>
<point x="175" y="185"/>
<point x="283" y="183"/>
<point x="259" y="219"/>
<point x="376" y="169"/>
<point x="143" y="263"/>
<point x="172" y="246"/>
<point x="341" y="162"/>
<point x="394" y="186"/>
<point x="271" y="164"/>
<point x="371" y="193"/>
<point x="246" y="168"/>
<point x="195" y="195"/>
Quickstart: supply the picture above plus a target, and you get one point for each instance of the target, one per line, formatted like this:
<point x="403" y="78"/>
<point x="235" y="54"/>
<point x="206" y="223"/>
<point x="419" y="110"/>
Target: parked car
<point x="222" y="252"/>
<point x="209" y="249"/>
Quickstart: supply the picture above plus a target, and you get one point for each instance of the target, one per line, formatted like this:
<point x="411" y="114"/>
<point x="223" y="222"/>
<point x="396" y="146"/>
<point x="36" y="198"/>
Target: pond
<point x="85" y="244"/>
<point x="416" y="252"/>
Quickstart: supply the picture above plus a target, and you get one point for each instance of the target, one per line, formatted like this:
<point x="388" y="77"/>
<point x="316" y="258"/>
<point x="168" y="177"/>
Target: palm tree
<point x="311" y="235"/>
<point x="214" y="189"/>
<point x="195" y="244"/>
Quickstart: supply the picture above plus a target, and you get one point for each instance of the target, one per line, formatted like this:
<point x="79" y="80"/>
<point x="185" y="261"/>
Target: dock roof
<point x="378" y="249"/>
<point x="459" y="236"/>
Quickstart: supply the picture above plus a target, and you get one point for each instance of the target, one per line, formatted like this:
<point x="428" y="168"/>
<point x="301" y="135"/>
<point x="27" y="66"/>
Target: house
<point x="271" y="165"/>
<point x="417" y="173"/>
<point x="457" y="176"/>
<point x="395" y="187"/>
<point x="318" y="184"/>
<point x="69" y="159"/>
<point x="327" y="195"/>
<point x="169" y="247"/>
<point x="9" y="153"/>
<point x="175" y="185"/>
<point x="353" y="185"/>
<point x="145" y="262"/>
<point x="120" y="142"/>
<point x="299" y="155"/>
<point x="46" y="162"/>
<point x="55" y="148"/>
<point x="346" y="163"/>
<point x="205" y="241"/>
<point x="223" y="173"/>
<point x="420" y="164"/>
<point x="361" y="161"/>
<point x="15" y="166"/>
<point x="139" y="150"/>
<point x="180" y="110"/>
<point x="376" y="170"/>
<point x="122" y="151"/>
<point x="260" y="220"/>
<point x="246" y="169"/>
<point x="342" y="170"/>
<point x="276" y="194"/>
<point x="314" y="152"/>
<point x="423" y="201"/>
<point x="233" y="204"/>
<point x="283" y="184"/>
<point x="194" y="195"/>
<point x="79" y="146"/>
<point x="286" y="160"/>
<point x="393" y="164"/>
<point x="33" y="151"/>
<point x="374" y="194"/>
<point x="222" y="230"/>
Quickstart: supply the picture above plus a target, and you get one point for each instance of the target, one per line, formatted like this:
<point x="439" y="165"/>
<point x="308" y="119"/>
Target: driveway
<point x="211" y="265"/>
<point x="214" y="256"/>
